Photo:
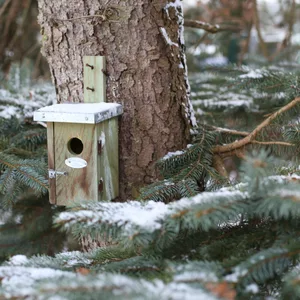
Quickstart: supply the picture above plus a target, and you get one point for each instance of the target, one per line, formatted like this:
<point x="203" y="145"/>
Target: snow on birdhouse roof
<point x="86" y="113"/>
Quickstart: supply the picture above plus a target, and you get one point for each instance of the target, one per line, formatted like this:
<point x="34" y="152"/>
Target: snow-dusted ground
<point x="21" y="103"/>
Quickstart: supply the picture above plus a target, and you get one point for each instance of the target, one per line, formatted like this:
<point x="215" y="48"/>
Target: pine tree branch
<point x="211" y="28"/>
<point x="250" y="138"/>
<point x="26" y="174"/>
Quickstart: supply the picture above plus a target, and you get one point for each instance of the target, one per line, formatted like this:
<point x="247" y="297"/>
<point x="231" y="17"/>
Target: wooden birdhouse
<point x="82" y="142"/>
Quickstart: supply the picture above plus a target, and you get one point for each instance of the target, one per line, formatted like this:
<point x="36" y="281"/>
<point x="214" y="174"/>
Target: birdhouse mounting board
<point x="94" y="79"/>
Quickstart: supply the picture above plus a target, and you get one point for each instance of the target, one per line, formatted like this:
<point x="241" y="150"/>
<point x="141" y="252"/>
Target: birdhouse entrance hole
<point x="75" y="146"/>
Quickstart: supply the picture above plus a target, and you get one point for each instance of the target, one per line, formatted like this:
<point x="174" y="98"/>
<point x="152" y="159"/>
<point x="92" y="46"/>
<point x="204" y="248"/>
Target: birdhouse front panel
<point x="85" y="162"/>
<point x="79" y="182"/>
<point x="82" y="151"/>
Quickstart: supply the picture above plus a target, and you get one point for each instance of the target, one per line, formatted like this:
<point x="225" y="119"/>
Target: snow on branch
<point x="142" y="223"/>
<point x="46" y="283"/>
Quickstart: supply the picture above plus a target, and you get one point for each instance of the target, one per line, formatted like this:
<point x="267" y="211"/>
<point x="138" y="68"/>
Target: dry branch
<point x="262" y="43"/>
<point x="230" y="131"/>
<point x="251" y="137"/>
<point x="3" y="8"/>
<point x="211" y="28"/>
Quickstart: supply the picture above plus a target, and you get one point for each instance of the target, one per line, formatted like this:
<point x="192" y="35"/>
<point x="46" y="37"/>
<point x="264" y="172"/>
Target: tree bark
<point x="146" y="72"/>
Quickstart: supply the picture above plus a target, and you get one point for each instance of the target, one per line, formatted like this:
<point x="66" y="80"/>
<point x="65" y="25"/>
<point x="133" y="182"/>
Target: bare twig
<point x="273" y="143"/>
<point x="211" y="28"/>
<point x="251" y="137"/>
<point x="287" y="38"/>
<point x="262" y="43"/>
<point x="245" y="45"/>
<point x="218" y="164"/>
<point x="230" y="131"/>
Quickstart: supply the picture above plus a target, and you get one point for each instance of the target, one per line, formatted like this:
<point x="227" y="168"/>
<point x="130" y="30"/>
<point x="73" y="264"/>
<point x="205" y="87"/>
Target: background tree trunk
<point x="143" y="44"/>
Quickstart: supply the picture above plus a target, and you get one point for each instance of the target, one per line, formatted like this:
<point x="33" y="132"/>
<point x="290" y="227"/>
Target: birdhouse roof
<point x="86" y="113"/>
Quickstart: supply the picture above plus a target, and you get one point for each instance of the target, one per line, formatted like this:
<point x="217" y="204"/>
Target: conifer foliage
<point x="221" y="224"/>
<point x="25" y="213"/>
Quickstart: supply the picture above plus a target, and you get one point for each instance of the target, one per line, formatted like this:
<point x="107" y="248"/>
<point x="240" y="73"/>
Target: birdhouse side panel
<point x="74" y="147"/>
<point x="108" y="162"/>
<point x="51" y="161"/>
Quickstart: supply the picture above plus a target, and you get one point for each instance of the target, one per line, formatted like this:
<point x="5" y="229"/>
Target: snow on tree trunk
<point x="142" y="41"/>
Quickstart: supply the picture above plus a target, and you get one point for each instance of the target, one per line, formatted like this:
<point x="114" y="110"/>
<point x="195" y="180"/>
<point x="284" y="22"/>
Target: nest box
<point x="82" y="142"/>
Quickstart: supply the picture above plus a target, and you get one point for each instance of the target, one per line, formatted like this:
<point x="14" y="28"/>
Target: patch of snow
<point x="194" y="275"/>
<point x="176" y="3"/>
<point x="285" y="193"/>
<point x="102" y="139"/>
<point x="252" y="288"/>
<point x="199" y="112"/>
<point x="23" y="102"/>
<point x="19" y="281"/>
<point x="258" y="73"/>
<point x="72" y="258"/>
<point x="88" y="113"/>
<point x="167" y="38"/>
<point x="238" y="272"/>
<point x="203" y="93"/>
<point x="135" y="216"/>
<point x="280" y="95"/>
<point x="215" y="61"/>
<point x="7" y="112"/>
<point x="171" y="154"/>
<point x="18" y="260"/>
<point x="124" y="214"/>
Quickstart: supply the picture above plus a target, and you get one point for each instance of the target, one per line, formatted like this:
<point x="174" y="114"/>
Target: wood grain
<point x="94" y="78"/>
<point x="108" y="162"/>
<point x="79" y="184"/>
<point x="51" y="161"/>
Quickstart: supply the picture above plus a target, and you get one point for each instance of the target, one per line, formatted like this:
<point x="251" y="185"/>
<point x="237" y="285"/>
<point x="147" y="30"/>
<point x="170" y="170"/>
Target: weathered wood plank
<point x="94" y="79"/>
<point x="108" y="162"/>
<point x="79" y="184"/>
<point x="51" y="161"/>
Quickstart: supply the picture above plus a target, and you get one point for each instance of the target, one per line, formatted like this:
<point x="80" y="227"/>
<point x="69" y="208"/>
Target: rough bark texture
<point x="143" y="44"/>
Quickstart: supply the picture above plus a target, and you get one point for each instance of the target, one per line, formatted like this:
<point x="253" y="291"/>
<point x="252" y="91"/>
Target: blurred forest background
<point x="236" y="32"/>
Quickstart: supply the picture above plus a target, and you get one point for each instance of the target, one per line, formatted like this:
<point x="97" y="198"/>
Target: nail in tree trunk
<point x="142" y="41"/>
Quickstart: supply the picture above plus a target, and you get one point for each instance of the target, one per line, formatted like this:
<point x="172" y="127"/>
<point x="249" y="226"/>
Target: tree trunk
<point x="146" y="72"/>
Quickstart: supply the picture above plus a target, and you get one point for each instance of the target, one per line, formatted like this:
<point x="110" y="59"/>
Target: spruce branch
<point x="28" y="173"/>
<point x="251" y="137"/>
